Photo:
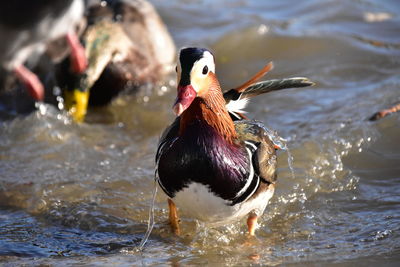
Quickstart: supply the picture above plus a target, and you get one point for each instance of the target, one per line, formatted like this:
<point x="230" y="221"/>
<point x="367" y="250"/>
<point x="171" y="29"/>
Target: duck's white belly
<point x="198" y="202"/>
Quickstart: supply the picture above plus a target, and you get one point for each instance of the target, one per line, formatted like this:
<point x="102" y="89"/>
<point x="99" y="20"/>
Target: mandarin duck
<point x="127" y="45"/>
<point x="212" y="162"/>
<point x="26" y="27"/>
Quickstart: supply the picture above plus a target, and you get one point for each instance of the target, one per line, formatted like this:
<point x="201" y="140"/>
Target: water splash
<point x="279" y="142"/>
<point x="290" y="161"/>
<point x="48" y="111"/>
<point x="41" y="108"/>
<point x="150" y="224"/>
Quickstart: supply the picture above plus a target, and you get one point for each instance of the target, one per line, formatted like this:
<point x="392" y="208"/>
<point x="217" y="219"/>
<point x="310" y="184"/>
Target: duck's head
<point x="195" y="76"/>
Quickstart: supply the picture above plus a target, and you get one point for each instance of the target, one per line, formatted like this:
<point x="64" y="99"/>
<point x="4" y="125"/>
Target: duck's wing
<point x="236" y="99"/>
<point x="167" y="138"/>
<point x="256" y="138"/>
<point x="236" y="102"/>
<point x="268" y="86"/>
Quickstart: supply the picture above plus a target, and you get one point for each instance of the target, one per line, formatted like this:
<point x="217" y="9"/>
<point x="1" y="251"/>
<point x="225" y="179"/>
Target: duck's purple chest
<point x="201" y="156"/>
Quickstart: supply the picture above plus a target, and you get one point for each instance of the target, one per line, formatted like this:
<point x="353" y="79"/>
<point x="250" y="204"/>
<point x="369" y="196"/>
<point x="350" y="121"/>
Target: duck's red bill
<point x="78" y="58"/>
<point x="186" y="95"/>
<point x="31" y="82"/>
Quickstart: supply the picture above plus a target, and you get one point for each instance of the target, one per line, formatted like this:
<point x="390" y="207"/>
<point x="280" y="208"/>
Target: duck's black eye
<point x="176" y="69"/>
<point x="205" y="70"/>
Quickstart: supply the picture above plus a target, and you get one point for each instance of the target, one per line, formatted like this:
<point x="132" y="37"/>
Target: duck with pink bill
<point x="26" y="27"/>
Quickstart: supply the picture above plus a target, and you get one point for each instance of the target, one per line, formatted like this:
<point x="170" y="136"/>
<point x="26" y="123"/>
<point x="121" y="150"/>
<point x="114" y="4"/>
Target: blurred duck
<point x="26" y="27"/>
<point x="212" y="162"/>
<point x="127" y="45"/>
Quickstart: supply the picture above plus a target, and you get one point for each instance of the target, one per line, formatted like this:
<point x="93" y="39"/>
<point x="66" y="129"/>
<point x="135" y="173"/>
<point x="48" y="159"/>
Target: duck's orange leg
<point x="173" y="217"/>
<point x="252" y="223"/>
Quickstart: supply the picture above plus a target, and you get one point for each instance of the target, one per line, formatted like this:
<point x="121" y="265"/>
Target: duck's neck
<point x="210" y="109"/>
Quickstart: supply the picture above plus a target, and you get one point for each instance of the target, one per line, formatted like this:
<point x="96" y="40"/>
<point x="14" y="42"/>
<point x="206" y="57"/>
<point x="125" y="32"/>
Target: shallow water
<point x="80" y="194"/>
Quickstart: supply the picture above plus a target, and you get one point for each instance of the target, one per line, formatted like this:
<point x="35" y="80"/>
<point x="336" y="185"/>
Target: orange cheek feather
<point x="202" y="84"/>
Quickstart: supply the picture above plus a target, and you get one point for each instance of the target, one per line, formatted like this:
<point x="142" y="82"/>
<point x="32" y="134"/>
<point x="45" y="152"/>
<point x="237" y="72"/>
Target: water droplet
<point x="290" y="162"/>
<point x="172" y="82"/>
<point x="262" y="29"/>
<point x="150" y="223"/>
<point x="104" y="162"/>
<point x="382" y="234"/>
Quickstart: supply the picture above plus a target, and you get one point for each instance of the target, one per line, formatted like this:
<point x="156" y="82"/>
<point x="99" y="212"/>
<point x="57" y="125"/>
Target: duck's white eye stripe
<point x="207" y="60"/>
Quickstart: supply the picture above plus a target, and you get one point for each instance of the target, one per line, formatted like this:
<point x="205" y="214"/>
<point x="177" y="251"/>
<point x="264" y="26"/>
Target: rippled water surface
<point x="80" y="194"/>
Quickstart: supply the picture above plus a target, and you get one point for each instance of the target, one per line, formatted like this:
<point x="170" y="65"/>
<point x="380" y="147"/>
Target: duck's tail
<point x="237" y="98"/>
